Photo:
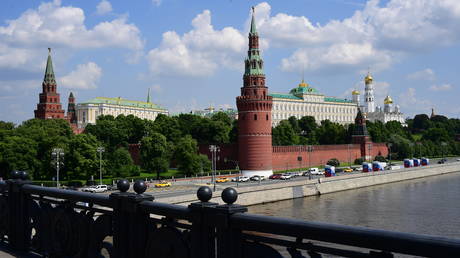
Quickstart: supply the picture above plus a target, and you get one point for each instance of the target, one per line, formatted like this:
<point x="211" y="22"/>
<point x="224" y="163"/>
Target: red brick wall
<point x="227" y="157"/>
<point x="286" y="157"/>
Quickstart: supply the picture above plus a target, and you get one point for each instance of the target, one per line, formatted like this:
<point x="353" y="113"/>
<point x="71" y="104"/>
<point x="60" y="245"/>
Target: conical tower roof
<point x="49" y="72"/>
<point x="253" y="23"/>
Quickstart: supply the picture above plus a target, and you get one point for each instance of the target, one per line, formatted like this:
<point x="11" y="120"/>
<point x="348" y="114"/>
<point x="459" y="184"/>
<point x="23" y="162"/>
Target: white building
<point x="88" y="111"/>
<point x="387" y="114"/>
<point x="305" y="100"/>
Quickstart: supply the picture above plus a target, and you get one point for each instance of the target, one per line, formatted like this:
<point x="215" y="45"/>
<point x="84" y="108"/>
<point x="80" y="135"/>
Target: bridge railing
<point x="65" y="223"/>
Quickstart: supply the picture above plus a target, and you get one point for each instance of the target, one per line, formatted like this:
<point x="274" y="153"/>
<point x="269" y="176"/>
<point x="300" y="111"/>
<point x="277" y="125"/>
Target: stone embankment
<point x="259" y="194"/>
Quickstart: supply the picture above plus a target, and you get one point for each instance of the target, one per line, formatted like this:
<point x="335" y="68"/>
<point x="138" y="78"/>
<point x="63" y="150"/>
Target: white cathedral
<point x="372" y="113"/>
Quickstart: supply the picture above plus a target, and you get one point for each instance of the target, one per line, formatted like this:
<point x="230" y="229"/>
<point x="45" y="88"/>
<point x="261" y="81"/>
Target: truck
<point x="425" y="162"/>
<point x="367" y="167"/>
<point x="416" y="162"/>
<point x="378" y="166"/>
<point x="329" y="171"/>
<point x="408" y="163"/>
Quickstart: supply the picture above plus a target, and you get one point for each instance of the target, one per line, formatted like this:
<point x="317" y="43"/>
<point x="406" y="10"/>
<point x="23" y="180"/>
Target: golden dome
<point x="368" y="79"/>
<point x="355" y="92"/>
<point x="388" y="100"/>
<point x="303" y="84"/>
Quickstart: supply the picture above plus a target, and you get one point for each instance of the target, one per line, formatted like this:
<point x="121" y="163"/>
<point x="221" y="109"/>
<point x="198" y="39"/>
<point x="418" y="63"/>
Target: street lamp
<point x="100" y="150"/>
<point x="369" y="147"/>
<point x="389" y="150"/>
<point x="309" y="150"/>
<point x="214" y="149"/>
<point x="57" y="155"/>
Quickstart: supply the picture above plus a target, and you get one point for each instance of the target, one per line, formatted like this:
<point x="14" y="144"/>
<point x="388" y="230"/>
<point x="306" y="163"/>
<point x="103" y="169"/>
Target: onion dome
<point x="303" y="84"/>
<point x="388" y="100"/>
<point x="355" y="92"/>
<point x="368" y="79"/>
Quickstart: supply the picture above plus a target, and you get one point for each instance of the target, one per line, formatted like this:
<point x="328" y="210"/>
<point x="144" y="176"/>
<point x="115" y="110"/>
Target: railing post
<point x="19" y="231"/>
<point x="229" y="240"/>
<point x="130" y="224"/>
<point x="203" y="232"/>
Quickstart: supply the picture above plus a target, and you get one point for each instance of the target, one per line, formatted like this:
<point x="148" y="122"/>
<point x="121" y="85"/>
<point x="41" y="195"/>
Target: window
<point x="255" y="117"/>
<point x="267" y="117"/>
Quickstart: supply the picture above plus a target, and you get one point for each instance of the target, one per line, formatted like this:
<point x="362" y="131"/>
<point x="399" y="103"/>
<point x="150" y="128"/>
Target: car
<point x="338" y="170"/>
<point x="286" y="176"/>
<point x="257" y="178"/>
<point x="240" y="179"/>
<point x="458" y="159"/>
<point x="314" y="171"/>
<point x="348" y="170"/>
<point x="222" y="180"/>
<point x="442" y="161"/>
<point x="358" y="169"/>
<point x="163" y="184"/>
<point x="275" y="176"/>
<point x="95" y="189"/>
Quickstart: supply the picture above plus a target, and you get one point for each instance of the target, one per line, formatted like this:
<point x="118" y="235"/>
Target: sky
<point x="190" y="53"/>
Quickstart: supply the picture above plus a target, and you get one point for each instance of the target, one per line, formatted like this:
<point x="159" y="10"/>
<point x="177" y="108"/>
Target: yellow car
<point x="348" y="170"/>
<point x="163" y="184"/>
<point x="222" y="180"/>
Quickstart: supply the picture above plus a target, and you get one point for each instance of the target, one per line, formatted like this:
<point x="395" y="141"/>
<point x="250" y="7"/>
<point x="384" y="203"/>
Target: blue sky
<point x="191" y="55"/>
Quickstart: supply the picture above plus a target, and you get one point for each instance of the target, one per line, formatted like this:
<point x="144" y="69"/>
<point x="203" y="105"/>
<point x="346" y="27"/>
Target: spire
<point x="253" y="23"/>
<point x="49" y="72"/>
<point x="70" y="95"/>
<point x="360" y="125"/>
<point x="148" y="96"/>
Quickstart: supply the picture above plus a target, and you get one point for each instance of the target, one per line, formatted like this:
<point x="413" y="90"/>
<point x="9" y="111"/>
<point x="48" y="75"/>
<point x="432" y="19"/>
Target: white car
<point x="240" y="179"/>
<point x="286" y="176"/>
<point x="316" y="171"/>
<point x="257" y="178"/>
<point x="95" y="189"/>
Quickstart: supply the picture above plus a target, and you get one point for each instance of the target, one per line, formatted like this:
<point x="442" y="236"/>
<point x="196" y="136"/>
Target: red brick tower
<point x="49" y="106"/>
<point x="71" y="115"/>
<point x="254" y="114"/>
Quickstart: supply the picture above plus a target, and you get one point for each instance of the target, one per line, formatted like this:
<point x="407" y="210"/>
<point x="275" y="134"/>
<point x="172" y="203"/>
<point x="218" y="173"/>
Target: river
<point x="429" y="205"/>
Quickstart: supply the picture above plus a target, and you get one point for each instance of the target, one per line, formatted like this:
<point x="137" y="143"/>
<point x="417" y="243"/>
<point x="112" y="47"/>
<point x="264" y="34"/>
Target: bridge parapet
<point x="65" y="223"/>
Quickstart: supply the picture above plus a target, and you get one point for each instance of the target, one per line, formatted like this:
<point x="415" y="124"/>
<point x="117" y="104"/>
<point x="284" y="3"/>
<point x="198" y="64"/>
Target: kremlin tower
<point x="254" y="114"/>
<point x="49" y="106"/>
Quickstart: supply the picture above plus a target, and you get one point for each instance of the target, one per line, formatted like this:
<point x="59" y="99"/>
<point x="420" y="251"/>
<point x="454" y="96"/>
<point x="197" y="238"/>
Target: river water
<point x="429" y="205"/>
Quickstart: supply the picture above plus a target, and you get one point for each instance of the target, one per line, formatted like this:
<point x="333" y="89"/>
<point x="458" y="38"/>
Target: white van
<point x="315" y="171"/>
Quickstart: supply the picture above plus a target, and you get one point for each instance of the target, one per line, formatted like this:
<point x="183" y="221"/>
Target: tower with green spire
<point x="254" y="113"/>
<point x="49" y="106"/>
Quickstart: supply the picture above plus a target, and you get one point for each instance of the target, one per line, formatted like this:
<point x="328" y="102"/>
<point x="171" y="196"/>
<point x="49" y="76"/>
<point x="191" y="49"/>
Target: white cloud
<point x="425" y="74"/>
<point x="156" y="2"/>
<point x="104" y="7"/>
<point x="443" y="87"/>
<point x="412" y="104"/>
<point x="198" y="52"/>
<point x="84" y="77"/>
<point x="62" y="27"/>
<point x="14" y="86"/>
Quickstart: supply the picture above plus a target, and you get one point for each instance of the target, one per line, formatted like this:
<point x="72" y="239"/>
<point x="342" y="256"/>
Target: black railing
<point x="65" y="223"/>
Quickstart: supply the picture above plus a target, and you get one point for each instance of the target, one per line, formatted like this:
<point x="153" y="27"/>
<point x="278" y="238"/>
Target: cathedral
<point x="389" y="112"/>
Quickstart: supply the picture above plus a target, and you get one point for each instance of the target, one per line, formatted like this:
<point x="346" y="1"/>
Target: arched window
<point x="267" y="117"/>
<point x="255" y="116"/>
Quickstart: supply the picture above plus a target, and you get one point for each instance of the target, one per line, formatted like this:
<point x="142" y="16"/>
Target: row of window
<point x="310" y="108"/>
<point x="333" y="118"/>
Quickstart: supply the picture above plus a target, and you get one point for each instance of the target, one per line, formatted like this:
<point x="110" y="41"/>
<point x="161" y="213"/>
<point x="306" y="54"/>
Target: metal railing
<point x="65" y="223"/>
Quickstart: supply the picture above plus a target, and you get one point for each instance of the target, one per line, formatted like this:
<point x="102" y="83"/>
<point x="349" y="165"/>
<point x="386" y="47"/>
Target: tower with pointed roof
<point x="254" y="113"/>
<point x="369" y="104"/>
<point x="49" y="106"/>
<point x="71" y="114"/>
<point x="361" y="135"/>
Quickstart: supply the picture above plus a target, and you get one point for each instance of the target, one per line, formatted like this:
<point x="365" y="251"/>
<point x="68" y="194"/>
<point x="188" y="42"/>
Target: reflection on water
<point x="425" y="206"/>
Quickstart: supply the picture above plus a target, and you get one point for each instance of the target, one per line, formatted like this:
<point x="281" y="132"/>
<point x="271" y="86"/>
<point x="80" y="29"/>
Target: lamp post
<point x="389" y="150"/>
<point x="214" y="149"/>
<point x="369" y="147"/>
<point x="310" y="150"/>
<point x="57" y="154"/>
<point x="100" y="150"/>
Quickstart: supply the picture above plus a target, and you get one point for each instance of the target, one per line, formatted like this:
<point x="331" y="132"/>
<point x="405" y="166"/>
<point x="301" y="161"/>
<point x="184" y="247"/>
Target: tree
<point x="359" y="161"/>
<point x="186" y="156"/>
<point x="284" y="134"/>
<point x="155" y="154"/>
<point x="380" y="158"/>
<point x="167" y="126"/>
<point x="436" y="135"/>
<point x="421" y="122"/>
<point x="19" y="153"/>
<point x="331" y="133"/>
<point x="120" y="163"/>
<point x="81" y="157"/>
<point x="222" y="117"/>
<point x="333" y="162"/>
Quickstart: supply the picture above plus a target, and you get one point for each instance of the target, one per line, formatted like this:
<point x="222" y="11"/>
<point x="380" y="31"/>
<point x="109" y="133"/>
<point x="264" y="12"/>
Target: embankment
<point x="257" y="194"/>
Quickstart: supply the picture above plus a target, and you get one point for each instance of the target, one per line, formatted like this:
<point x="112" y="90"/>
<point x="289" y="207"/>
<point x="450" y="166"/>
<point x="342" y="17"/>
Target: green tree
<point x="421" y="122"/>
<point x="284" y="134"/>
<point x="333" y="162"/>
<point x="222" y="117"/>
<point x="155" y="154"/>
<point x="18" y="153"/>
<point x="436" y="135"/>
<point x="186" y="155"/>
<point x="120" y="163"/>
<point x="331" y="133"/>
<point x="167" y="126"/>
<point x="82" y="159"/>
